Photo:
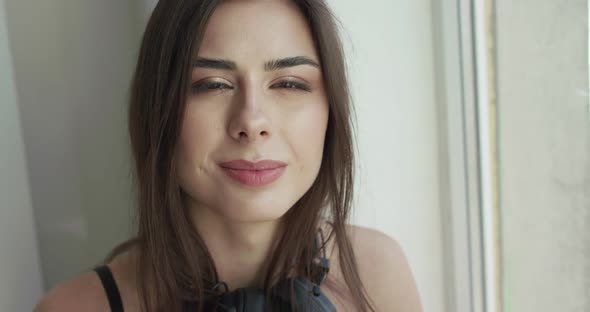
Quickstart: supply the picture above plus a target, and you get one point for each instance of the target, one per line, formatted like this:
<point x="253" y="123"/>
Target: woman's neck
<point x="240" y="250"/>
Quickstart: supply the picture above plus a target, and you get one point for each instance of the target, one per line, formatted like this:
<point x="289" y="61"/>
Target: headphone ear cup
<point x="308" y="296"/>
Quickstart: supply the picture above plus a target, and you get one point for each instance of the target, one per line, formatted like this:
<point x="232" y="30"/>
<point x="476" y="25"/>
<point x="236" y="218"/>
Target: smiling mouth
<point x="258" y="173"/>
<point x="257" y="177"/>
<point x="241" y="164"/>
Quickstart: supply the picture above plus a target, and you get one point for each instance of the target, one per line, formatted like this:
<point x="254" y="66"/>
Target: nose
<point x="249" y="123"/>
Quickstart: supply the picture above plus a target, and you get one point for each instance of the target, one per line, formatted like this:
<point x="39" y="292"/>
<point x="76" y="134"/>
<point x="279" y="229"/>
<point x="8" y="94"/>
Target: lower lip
<point x="254" y="177"/>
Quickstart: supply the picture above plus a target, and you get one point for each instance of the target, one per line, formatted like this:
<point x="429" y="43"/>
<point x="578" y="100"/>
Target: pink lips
<point x="254" y="174"/>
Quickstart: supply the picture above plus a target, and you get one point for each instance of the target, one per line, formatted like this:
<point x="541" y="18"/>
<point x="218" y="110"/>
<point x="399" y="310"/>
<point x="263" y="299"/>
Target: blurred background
<point x="473" y="133"/>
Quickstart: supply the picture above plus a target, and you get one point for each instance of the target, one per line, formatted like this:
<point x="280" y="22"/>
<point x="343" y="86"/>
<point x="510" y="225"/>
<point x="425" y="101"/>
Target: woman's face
<point x="256" y="94"/>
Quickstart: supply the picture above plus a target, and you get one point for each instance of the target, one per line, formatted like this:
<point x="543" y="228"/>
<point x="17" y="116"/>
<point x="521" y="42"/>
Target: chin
<point x="268" y="205"/>
<point x="250" y="212"/>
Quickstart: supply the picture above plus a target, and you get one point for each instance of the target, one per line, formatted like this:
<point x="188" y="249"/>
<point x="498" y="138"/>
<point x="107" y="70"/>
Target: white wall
<point x="544" y="139"/>
<point x="73" y="63"/>
<point x="20" y="273"/>
<point x="390" y="51"/>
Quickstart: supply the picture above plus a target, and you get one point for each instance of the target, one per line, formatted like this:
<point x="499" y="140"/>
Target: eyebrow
<point x="271" y="65"/>
<point x="289" y="62"/>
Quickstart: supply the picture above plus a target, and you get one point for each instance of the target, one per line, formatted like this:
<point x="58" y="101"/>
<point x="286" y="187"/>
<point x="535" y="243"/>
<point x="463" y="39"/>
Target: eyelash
<point x="215" y="85"/>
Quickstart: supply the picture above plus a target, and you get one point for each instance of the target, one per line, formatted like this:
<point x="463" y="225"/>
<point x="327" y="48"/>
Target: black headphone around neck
<point x="307" y="293"/>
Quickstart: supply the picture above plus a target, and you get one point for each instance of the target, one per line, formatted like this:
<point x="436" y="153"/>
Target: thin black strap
<point x="323" y="263"/>
<point x="322" y="243"/>
<point x="110" y="287"/>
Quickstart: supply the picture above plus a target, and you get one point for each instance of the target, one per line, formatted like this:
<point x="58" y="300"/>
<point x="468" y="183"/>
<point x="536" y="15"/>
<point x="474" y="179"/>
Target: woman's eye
<point x="209" y="86"/>
<point x="294" y="85"/>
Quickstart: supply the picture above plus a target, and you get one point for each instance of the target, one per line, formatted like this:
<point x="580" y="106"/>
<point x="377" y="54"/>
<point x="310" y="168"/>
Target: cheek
<point x="193" y="138"/>
<point x="308" y="134"/>
<point x="198" y="137"/>
<point x="201" y="129"/>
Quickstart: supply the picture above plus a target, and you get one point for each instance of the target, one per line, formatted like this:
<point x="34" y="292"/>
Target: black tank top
<point x="308" y="296"/>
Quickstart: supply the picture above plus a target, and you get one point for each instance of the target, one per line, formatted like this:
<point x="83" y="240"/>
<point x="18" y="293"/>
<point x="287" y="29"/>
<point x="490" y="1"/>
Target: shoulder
<point x="85" y="292"/>
<point x="384" y="270"/>
<point x="375" y="246"/>
<point x="81" y="293"/>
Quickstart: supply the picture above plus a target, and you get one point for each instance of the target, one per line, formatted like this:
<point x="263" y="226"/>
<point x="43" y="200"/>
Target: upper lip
<point x="242" y="164"/>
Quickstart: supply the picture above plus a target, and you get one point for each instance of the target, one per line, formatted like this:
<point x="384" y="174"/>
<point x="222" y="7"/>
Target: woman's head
<point x="215" y="82"/>
<point x="256" y="93"/>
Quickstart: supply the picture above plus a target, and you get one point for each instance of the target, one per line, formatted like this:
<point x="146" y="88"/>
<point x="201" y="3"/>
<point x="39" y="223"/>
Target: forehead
<point x="255" y="31"/>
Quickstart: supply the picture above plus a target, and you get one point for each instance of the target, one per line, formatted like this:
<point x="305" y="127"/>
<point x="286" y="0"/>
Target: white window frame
<point x="464" y="57"/>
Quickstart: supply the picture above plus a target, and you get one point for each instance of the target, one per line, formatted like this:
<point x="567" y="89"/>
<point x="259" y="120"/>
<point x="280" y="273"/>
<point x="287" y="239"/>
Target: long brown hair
<point x="166" y="240"/>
